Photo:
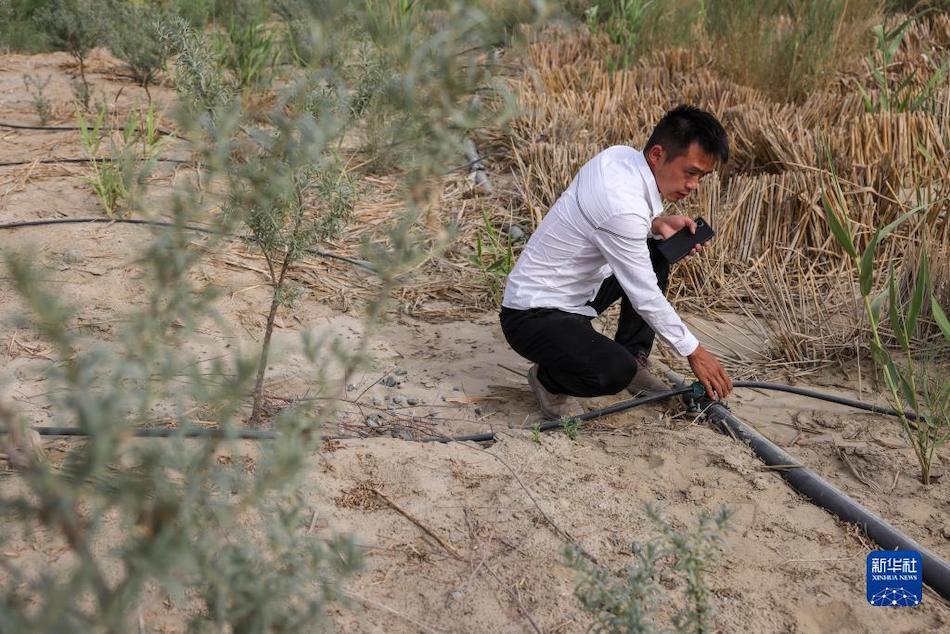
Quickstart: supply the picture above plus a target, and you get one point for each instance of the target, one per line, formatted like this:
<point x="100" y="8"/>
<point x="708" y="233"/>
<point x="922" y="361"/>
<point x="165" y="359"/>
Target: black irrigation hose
<point x="254" y="434"/>
<point x="693" y="390"/>
<point x="831" y="398"/>
<point x="63" y="128"/>
<point x="105" y="159"/>
<point x="69" y="128"/>
<point x="936" y="572"/>
<point x="169" y="432"/>
<point x="631" y="403"/>
<point x="586" y="416"/>
<point x="160" y="223"/>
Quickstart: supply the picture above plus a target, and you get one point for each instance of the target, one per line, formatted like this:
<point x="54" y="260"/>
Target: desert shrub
<point x="182" y="519"/>
<point x="177" y="519"/>
<point x="291" y="188"/>
<point x="626" y="603"/>
<point x="300" y="42"/>
<point x="194" y="12"/>
<point x="297" y="43"/>
<point x="18" y="28"/>
<point x="75" y="26"/>
<point x="136" y="40"/>
<point x="198" y="78"/>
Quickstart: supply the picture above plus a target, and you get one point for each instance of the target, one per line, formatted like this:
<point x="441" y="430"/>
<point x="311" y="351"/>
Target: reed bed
<point x="774" y="260"/>
<point x="774" y="254"/>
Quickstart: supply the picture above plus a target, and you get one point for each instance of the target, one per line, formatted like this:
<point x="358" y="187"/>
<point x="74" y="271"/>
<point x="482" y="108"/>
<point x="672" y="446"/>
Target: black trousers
<point x="572" y="357"/>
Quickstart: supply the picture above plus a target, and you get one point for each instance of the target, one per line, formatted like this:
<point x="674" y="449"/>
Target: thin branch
<point x="425" y="529"/>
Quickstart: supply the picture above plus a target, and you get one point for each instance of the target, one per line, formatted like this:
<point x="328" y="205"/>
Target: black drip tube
<point x="19" y="224"/>
<point x="936" y="572"/>
<point x="170" y="432"/>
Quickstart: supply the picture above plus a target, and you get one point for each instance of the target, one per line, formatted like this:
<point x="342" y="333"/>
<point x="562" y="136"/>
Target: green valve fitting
<point x="698" y="390"/>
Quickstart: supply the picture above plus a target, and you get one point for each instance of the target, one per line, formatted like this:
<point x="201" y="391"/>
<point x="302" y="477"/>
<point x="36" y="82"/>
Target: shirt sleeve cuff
<point x="687" y="345"/>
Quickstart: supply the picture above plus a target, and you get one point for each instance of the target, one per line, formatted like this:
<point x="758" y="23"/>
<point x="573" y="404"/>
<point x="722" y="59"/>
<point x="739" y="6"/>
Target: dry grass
<point x="774" y="252"/>
<point x="774" y="255"/>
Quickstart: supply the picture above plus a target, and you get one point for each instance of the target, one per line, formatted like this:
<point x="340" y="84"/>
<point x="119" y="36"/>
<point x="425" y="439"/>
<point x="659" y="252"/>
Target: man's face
<point x="676" y="178"/>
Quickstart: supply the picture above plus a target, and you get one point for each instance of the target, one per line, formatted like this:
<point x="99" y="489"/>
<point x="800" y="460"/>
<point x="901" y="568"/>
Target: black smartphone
<point x="678" y="245"/>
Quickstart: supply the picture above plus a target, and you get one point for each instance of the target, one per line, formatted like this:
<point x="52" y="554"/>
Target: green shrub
<point x="136" y="40"/>
<point x="181" y="519"/>
<point x="196" y="13"/>
<point x="198" y="77"/>
<point x="75" y="26"/>
<point x="18" y="28"/>
<point x="178" y="519"/>
<point x="626" y="604"/>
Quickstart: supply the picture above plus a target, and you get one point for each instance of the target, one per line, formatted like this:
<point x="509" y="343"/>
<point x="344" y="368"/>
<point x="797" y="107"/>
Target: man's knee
<point x="613" y="373"/>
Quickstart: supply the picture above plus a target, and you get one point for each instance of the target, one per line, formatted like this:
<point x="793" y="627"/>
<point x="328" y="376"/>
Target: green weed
<point x="911" y="385"/>
<point x="536" y="433"/>
<point x="786" y="48"/>
<point x="623" y="22"/>
<point x="905" y="94"/>
<point x="248" y="49"/>
<point x="494" y="256"/>
<point x="570" y="426"/>
<point x="37" y="89"/>
<point x="118" y="179"/>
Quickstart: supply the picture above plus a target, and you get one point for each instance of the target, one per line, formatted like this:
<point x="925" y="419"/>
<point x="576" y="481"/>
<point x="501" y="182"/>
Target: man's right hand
<point x="710" y="373"/>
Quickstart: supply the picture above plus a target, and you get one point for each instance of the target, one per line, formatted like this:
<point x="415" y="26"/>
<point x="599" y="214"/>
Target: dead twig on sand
<point x="547" y="518"/>
<point x="857" y="473"/>
<point x="512" y="370"/>
<point x="425" y="529"/>
<point x="516" y="596"/>
<point x="386" y="608"/>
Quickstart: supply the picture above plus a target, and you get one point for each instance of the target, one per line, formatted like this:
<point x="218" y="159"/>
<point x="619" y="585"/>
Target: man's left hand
<point x="666" y="226"/>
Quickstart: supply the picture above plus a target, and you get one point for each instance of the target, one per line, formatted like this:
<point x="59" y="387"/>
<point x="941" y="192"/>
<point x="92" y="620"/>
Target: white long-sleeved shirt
<point x="599" y="226"/>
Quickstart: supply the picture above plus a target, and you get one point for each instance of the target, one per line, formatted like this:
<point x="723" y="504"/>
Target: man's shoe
<point x="644" y="383"/>
<point x="553" y="406"/>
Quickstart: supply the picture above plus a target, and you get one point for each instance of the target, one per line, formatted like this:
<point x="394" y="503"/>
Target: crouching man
<point x="598" y="244"/>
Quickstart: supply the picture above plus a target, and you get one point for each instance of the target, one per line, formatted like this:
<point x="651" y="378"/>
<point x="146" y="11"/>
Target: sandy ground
<point x="502" y="514"/>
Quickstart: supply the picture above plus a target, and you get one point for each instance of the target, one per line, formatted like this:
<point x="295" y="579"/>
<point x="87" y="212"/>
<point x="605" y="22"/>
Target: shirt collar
<point x="654" y="198"/>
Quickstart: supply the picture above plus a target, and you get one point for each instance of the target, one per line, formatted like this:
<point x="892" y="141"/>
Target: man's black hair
<point x="683" y="125"/>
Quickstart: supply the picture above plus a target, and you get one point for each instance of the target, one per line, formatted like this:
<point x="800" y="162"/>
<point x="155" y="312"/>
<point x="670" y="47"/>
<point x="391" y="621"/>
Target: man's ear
<point x="655" y="154"/>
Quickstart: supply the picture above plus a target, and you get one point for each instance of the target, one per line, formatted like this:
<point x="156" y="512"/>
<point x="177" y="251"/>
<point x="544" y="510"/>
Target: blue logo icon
<point x="895" y="578"/>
